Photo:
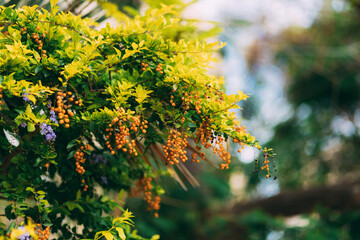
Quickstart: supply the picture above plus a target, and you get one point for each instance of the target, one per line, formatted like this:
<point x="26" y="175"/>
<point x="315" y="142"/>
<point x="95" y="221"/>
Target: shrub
<point x="85" y="111"/>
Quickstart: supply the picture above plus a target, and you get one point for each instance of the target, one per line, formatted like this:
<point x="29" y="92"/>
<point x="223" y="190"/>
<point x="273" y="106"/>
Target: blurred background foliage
<point x="317" y="145"/>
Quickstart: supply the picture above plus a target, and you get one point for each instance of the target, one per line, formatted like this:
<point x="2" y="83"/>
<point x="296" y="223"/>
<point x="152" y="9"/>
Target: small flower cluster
<point x="98" y="158"/>
<point x="53" y="117"/>
<point x="104" y="179"/>
<point x="25" y="236"/>
<point x="47" y="131"/>
<point x="25" y="96"/>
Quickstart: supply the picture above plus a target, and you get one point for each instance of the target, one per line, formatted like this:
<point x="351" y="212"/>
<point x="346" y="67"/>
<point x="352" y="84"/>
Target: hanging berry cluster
<point x="205" y="137"/>
<point x="239" y="129"/>
<point x="118" y="133"/>
<point x="266" y="164"/>
<point x="194" y="98"/>
<point x="143" y="186"/>
<point x="80" y="159"/>
<point x="62" y="109"/>
<point x="172" y="101"/>
<point x="38" y="37"/>
<point x="186" y="100"/>
<point x="43" y="234"/>
<point x="1" y="96"/>
<point x="174" y="150"/>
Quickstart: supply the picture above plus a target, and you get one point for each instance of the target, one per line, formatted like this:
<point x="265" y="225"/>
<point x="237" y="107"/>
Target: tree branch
<point x="343" y="196"/>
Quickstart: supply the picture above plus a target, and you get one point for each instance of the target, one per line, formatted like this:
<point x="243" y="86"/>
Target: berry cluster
<point x="23" y="30"/>
<point x="204" y="134"/>
<point x="144" y="66"/>
<point x="186" y="100"/>
<point x="79" y="158"/>
<point x="221" y="151"/>
<point x="144" y="186"/>
<point x="172" y="101"/>
<point x="175" y="148"/>
<point x="63" y="103"/>
<point x="239" y="129"/>
<point x="205" y="137"/>
<point x="118" y="132"/>
<point x="136" y="124"/>
<point x="85" y="185"/>
<point x="266" y="165"/>
<point x="1" y="96"/>
<point x="43" y="234"/>
<point x="159" y="68"/>
<point x="38" y="38"/>
<point x="192" y="97"/>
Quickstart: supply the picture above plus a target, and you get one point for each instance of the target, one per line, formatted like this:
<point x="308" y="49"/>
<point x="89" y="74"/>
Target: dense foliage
<point x="86" y="111"/>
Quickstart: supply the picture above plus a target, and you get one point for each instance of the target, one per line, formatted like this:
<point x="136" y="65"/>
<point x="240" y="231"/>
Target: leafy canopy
<point x="86" y="110"/>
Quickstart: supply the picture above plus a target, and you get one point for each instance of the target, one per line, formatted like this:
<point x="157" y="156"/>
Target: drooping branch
<point x="343" y="196"/>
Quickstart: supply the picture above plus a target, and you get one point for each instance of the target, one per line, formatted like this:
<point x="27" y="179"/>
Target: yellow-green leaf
<point x="155" y="237"/>
<point x="108" y="235"/>
<point x="121" y="233"/>
<point x="141" y="94"/>
<point x="30" y="127"/>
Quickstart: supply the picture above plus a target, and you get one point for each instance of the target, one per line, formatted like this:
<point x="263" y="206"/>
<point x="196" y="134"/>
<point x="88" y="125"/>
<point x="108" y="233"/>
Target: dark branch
<point x="343" y="196"/>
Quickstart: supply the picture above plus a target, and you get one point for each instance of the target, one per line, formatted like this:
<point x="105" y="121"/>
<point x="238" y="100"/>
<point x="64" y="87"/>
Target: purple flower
<point x="49" y="136"/>
<point x="47" y="131"/>
<point x="104" y="179"/>
<point x="53" y="117"/>
<point x="98" y="158"/>
<point x="23" y="125"/>
<point x="25" y="236"/>
<point x="26" y="99"/>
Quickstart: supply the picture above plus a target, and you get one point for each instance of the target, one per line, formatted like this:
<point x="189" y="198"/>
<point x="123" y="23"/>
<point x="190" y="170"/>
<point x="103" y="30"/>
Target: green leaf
<point x="70" y="205"/>
<point x="30" y="189"/>
<point x="95" y="105"/>
<point x="71" y="144"/>
<point x="71" y="154"/>
<point x="121" y="194"/>
<point x="30" y="127"/>
<point x="78" y="195"/>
